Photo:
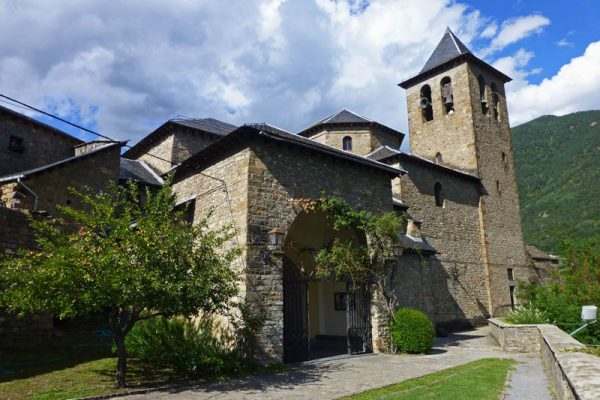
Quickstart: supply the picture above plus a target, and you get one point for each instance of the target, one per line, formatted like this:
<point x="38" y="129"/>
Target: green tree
<point x="126" y="258"/>
<point x="368" y="262"/>
<point x="577" y="284"/>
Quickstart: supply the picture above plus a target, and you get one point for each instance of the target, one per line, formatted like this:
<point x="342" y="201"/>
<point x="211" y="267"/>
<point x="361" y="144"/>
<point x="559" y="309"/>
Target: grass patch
<point x="79" y="364"/>
<point x="593" y="350"/>
<point x="482" y="379"/>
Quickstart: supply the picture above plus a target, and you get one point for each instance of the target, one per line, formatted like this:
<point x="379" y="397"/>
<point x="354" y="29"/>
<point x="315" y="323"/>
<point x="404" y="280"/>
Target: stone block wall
<point x="451" y="135"/>
<point x="453" y="282"/>
<point x="573" y="374"/>
<point x="221" y="190"/>
<point x="16" y="233"/>
<point x="177" y="145"/>
<point x="282" y="178"/>
<point x="515" y="338"/>
<point x="42" y="144"/>
<point x="500" y="215"/>
<point x="93" y="171"/>
<point x="364" y="140"/>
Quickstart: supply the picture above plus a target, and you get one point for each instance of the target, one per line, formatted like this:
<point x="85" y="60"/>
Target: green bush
<point x="526" y="315"/>
<point x="191" y="348"/>
<point x="411" y="331"/>
<point x="576" y="285"/>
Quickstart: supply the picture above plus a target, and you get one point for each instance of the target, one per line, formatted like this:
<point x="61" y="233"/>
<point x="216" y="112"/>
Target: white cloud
<point x="489" y="31"/>
<point x="564" y="43"/>
<point x="127" y="68"/>
<point x="573" y="88"/>
<point x="514" y="30"/>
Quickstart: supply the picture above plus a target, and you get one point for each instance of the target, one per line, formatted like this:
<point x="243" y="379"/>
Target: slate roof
<point x="346" y="118"/>
<point x="44" y="168"/>
<point x="138" y="171"/>
<point x="209" y="126"/>
<point x="250" y="132"/>
<point x="449" y="50"/>
<point x="538" y="254"/>
<point x="385" y="152"/>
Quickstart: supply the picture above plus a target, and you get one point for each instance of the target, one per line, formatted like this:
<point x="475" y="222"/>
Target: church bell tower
<point x="457" y="117"/>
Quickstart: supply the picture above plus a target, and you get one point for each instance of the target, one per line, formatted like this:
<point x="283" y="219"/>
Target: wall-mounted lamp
<point x="276" y="237"/>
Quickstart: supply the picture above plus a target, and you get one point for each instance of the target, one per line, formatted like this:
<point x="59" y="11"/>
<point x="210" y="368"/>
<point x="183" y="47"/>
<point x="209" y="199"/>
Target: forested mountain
<point x="557" y="161"/>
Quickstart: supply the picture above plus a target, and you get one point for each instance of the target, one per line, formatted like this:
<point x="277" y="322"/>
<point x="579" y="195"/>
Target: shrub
<point x="526" y="315"/>
<point x="411" y="331"/>
<point x="190" y="348"/>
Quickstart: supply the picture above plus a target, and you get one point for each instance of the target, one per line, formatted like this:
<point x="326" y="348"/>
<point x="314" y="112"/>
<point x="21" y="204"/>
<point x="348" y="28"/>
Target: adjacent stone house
<point x="38" y="178"/>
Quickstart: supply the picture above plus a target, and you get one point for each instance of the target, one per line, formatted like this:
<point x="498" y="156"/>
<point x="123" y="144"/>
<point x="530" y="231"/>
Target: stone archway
<point x="321" y="317"/>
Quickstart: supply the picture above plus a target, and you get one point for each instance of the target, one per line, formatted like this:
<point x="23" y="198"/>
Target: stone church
<point x="462" y="247"/>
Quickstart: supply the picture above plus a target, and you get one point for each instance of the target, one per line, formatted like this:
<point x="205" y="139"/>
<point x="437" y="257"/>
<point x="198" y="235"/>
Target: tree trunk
<point x="122" y="361"/>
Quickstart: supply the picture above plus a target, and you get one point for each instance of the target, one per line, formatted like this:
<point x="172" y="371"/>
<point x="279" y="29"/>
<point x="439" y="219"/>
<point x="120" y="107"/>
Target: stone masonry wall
<point x="41" y="145"/>
<point x="160" y="156"/>
<point x="15" y="233"/>
<point x="500" y="213"/>
<point x="177" y="146"/>
<point x="454" y="288"/>
<point x="93" y="171"/>
<point x="221" y="189"/>
<point x="279" y="179"/>
<point x="364" y="140"/>
<point x="479" y="143"/>
<point x="451" y="135"/>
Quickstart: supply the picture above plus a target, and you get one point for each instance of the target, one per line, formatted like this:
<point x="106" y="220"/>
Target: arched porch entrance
<point x="322" y="318"/>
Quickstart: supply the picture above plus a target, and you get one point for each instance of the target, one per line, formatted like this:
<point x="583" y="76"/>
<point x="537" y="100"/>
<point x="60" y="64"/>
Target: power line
<point x="25" y="105"/>
<point x="223" y="183"/>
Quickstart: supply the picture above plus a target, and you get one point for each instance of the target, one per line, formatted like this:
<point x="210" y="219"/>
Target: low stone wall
<point x="517" y="338"/>
<point x="574" y="375"/>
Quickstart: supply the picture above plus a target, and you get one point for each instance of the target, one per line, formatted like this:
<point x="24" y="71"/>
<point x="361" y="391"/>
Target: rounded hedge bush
<point x="411" y="331"/>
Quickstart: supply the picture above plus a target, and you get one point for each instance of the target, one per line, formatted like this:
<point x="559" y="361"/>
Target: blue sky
<point x="125" y="68"/>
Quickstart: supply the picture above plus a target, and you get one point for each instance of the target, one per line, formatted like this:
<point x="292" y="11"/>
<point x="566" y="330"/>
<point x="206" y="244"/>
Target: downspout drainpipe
<point x="35" y="196"/>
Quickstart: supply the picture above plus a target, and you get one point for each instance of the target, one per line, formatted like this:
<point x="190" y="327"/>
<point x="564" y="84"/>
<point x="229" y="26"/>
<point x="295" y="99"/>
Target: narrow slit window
<point x="438" y="158"/>
<point x="483" y="95"/>
<point x="425" y="104"/>
<point x="495" y="102"/>
<point x="347" y="143"/>
<point x="439" y="195"/>
<point x="498" y="188"/>
<point x="447" y="96"/>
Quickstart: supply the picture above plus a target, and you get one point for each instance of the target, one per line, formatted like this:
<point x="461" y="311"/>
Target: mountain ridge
<point x="557" y="163"/>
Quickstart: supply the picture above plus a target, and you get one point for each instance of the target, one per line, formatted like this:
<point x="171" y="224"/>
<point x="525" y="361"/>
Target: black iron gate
<point x="358" y="318"/>
<point x="295" y="315"/>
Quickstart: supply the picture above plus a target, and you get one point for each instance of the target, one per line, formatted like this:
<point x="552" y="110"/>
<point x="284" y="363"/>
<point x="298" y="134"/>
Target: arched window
<point x="495" y="101"/>
<point x="438" y="158"/>
<point x="347" y="143"/>
<point x="425" y="103"/>
<point x="483" y="95"/>
<point x="439" y="194"/>
<point x="447" y="96"/>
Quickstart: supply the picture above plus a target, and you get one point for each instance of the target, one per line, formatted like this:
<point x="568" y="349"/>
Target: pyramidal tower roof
<point x="449" y="48"/>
